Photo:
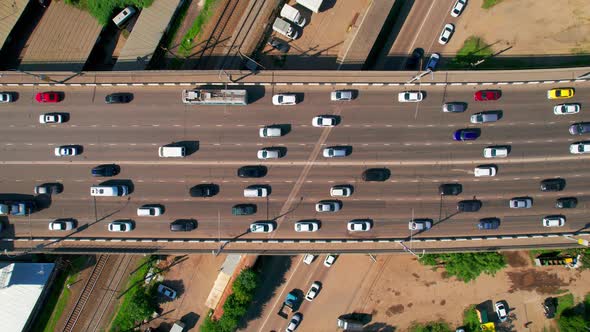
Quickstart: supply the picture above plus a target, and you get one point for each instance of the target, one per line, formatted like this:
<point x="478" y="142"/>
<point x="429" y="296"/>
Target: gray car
<point x="483" y="117"/>
<point x="580" y="128"/>
<point x="454" y="107"/>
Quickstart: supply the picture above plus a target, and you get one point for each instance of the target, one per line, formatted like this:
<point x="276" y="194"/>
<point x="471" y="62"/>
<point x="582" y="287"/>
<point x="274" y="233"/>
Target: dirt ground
<point x="399" y="291"/>
<point x="543" y="27"/>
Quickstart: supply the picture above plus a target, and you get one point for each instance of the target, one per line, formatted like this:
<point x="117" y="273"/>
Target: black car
<point x="472" y="205"/>
<point x="243" y="209"/>
<point x="279" y="45"/>
<point x="550" y="306"/>
<point x="106" y="170"/>
<point x="552" y="185"/>
<point x="376" y="174"/>
<point x="566" y="203"/>
<point x="414" y="59"/>
<point x="118" y="98"/>
<point x="450" y="189"/>
<point x="183" y="225"/>
<point x="253" y="171"/>
<point x="488" y="223"/>
<point x="204" y="190"/>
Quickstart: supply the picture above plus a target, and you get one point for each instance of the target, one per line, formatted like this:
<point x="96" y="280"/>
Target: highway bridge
<point x="413" y="140"/>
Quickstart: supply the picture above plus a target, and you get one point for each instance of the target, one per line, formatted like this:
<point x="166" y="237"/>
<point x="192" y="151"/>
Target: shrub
<point x="467" y="266"/>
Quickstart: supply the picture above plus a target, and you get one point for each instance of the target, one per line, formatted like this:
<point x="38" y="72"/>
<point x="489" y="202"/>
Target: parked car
<point x="580" y="147"/>
<point x="432" y="62"/>
<point x="183" y="225"/>
<point x="471" y="205"/>
<point x="243" y="209"/>
<point x="414" y="60"/>
<point x="487" y="95"/>
<point x="420" y="224"/>
<point x="550" y="307"/>
<point x="446" y="33"/>
<point x="167" y="291"/>
<point x="49" y="189"/>
<point x="483" y="117"/>
<point x="521" y="203"/>
<point x="279" y="45"/>
<point x="324" y="121"/>
<point x="410" y="96"/>
<point x="566" y="203"/>
<point x="554" y="221"/>
<point x="560" y="93"/>
<point x="376" y="174"/>
<point x="458" y="8"/>
<point x="204" y="190"/>
<point x="359" y="225"/>
<point x="294" y="322"/>
<point x="485" y="170"/>
<point x="106" y="170"/>
<point x="67" y="151"/>
<point x="552" y="184"/>
<point x="120" y="226"/>
<point x="62" y="225"/>
<point x="307" y="226"/>
<point x="564" y="109"/>
<point x="252" y="171"/>
<point x="262" y="227"/>
<point x="454" y="107"/>
<point x="329" y="260"/>
<point x="501" y="311"/>
<point x="495" y="152"/>
<point x="489" y="223"/>
<point x="308" y="258"/>
<point x="313" y="291"/>
<point x="328" y="206"/>
<point x="341" y="95"/>
<point x="49" y="118"/>
<point x="467" y="134"/>
<point x="119" y="98"/>
<point x="452" y="189"/>
<point x="47" y="97"/>
<point x="284" y="99"/>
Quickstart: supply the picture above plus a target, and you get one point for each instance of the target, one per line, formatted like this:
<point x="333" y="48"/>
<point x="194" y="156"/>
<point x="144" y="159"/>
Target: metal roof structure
<point x="21" y="285"/>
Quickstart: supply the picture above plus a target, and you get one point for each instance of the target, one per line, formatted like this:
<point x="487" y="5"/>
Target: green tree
<point x="467" y="266"/>
<point x="209" y="325"/>
<point x="431" y="327"/>
<point x="570" y="321"/>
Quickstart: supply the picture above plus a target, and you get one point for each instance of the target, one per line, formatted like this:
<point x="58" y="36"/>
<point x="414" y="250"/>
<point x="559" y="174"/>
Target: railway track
<point x="216" y="35"/>
<point x="85" y="294"/>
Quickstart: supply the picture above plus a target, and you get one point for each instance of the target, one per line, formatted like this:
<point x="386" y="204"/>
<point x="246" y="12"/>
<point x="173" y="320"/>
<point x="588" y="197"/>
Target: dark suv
<point x="566" y="203"/>
<point x="552" y="185"/>
<point x="183" y="225"/>
<point x="253" y="171"/>
<point x="469" y="205"/>
<point x="118" y="98"/>
<point x="550" y="306"/>
<point x="450" y="189"/>
<point x="376" y="174"/>
<point x="243" y="209"/>
<point x="204" y="190"/>
<point x="488" y="223"/>
<point x="106" y="170"/>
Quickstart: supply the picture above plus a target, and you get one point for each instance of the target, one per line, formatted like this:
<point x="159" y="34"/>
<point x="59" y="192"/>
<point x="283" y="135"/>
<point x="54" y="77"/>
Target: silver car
<point x="328" y="206"/>
<point x="483" y="117"/>
<point x="307" y="226"/>
<point x="420" y="224"/>
<point x="62" y="225"/>
<point x="454" y="107"/>
<point x="521" y="203"/>
<point x="341" y="95"/>
<point x="324" y="121"/>
<point x="334" y="152"/>
<point x="446" y="34"/>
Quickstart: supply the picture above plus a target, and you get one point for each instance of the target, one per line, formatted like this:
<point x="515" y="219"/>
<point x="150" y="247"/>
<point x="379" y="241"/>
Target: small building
<point x="22" y="288"/>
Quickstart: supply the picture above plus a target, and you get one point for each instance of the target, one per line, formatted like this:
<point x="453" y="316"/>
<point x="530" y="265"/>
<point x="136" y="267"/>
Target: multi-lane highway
<point x="413" y="140"/>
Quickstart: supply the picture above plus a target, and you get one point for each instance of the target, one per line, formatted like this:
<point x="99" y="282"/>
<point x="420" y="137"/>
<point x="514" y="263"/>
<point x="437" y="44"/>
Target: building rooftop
<point x="10" y="12"/>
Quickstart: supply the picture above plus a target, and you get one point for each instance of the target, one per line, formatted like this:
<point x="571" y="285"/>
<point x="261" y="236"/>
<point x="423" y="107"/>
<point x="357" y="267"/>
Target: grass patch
<point x="564" y="302"/>
<point x="137" y="303"/>
<point x="104" y="10"/>
<point x="177" y="22"/>
<point x="473" y="50"/>
<point x="207" y="11"/>
<point x="489" y="3"/>
<point x="431" y="327"/>
<point x="59" y="296"/>
<point x="470" y="320"/>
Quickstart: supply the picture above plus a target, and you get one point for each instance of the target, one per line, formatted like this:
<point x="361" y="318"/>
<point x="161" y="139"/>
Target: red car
<point x="485" y="95"/>
<point x="47" y="97"/>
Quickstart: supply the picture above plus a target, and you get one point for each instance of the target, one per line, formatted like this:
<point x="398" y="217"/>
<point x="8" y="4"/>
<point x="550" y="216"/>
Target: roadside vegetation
<point x="139" y="300"/>
<point x="466" y="266"/>
<point x="59" y="295"/>
<point x="431" y="327"/>
<point x="470" y="320"/>
<point x="489" y="3"/>
<point x="570" y="317"/>
<point x="474" y="49"/>
<point x="236" y="304"/>
<point x="207" y="11"/>
<point x="103" y="10"/>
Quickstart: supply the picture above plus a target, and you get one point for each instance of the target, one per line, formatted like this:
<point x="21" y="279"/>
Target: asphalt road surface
<point x="413" y="140"/>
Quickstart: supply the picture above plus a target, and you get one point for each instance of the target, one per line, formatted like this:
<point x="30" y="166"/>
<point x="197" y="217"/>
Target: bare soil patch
<point x="534" y="280"/>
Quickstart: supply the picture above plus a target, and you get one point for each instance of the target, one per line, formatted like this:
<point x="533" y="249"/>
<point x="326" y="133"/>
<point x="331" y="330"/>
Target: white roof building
<point x="21" y="286"/>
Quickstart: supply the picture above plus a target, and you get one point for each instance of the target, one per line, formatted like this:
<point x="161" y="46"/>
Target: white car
<point x="359" y="225"/>
<point x="554" y="221"/>
<point x="564" y="109"/>
<point x="341" y="191"/>
<point x="495" y="152"/>
<point x="489" y="170"/>
<point x="328" y="206"/>
<point x="270" y="132"/>
<point x="501" y="311"/>
<point x="308" y="258"/>
<point x="294" y="322"/>
<point x="262" y="227"/>
<point x="324" y="121"/>
<point x="284" y="99"/>
<point x="410" y="96"/>
<point x="329" y="260"/>
<point x="66" y="150"/>
<point x="341" y="95"/>
<point x="268" y="154"/>
<point x="458" y="8"/>
<point x="420" y="224"/>
<point x="5" y="97"/>
<point x="149" y="211"/>
<point x="521" y="203"/>
<point x="120" y="226"/>
<point x="61" y="225"/>
<point x="167" y="291"/>
<point x="446" y="34"/>
<point x="313" y="291"/>
<point x="580" y="147"/>
<point x="334" y="152"/>
<point x="307" y="226"/>
<point x="50" y="118"/>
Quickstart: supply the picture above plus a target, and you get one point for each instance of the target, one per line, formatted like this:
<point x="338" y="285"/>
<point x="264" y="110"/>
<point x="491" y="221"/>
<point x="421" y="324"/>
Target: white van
<point x="149" y="211"/>
<point x="109" y="190"/>
<point x="123" y="16"/>
<point x="256" y="191"/>
<point x="172" y="152"/>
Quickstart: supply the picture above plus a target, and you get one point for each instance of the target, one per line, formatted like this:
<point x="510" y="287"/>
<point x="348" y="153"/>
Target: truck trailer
<point x="215" y="97"/>
<point x="285" y="28"/>
<point x="313" y="5"/>
<point x="293" y="15"/>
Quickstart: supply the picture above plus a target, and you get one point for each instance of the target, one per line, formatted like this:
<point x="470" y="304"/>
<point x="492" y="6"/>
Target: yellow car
<point x="560" y="93"/>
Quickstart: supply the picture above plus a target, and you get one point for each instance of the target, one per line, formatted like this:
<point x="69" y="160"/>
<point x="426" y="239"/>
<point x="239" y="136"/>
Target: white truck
<point x="215" y="97"/>
<point x="178" y="327"/>
<point x="313" y="5"/>
<point x="285" y="28"/>
<point x="293" y="15"/>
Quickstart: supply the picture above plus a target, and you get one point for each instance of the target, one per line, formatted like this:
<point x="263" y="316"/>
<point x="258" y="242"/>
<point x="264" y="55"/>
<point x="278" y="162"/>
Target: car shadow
<point x="285" y="128"/>
<point x="189" y="146"/>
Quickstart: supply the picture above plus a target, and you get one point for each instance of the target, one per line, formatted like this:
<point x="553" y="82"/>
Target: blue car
<point x="468" y="134"/>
